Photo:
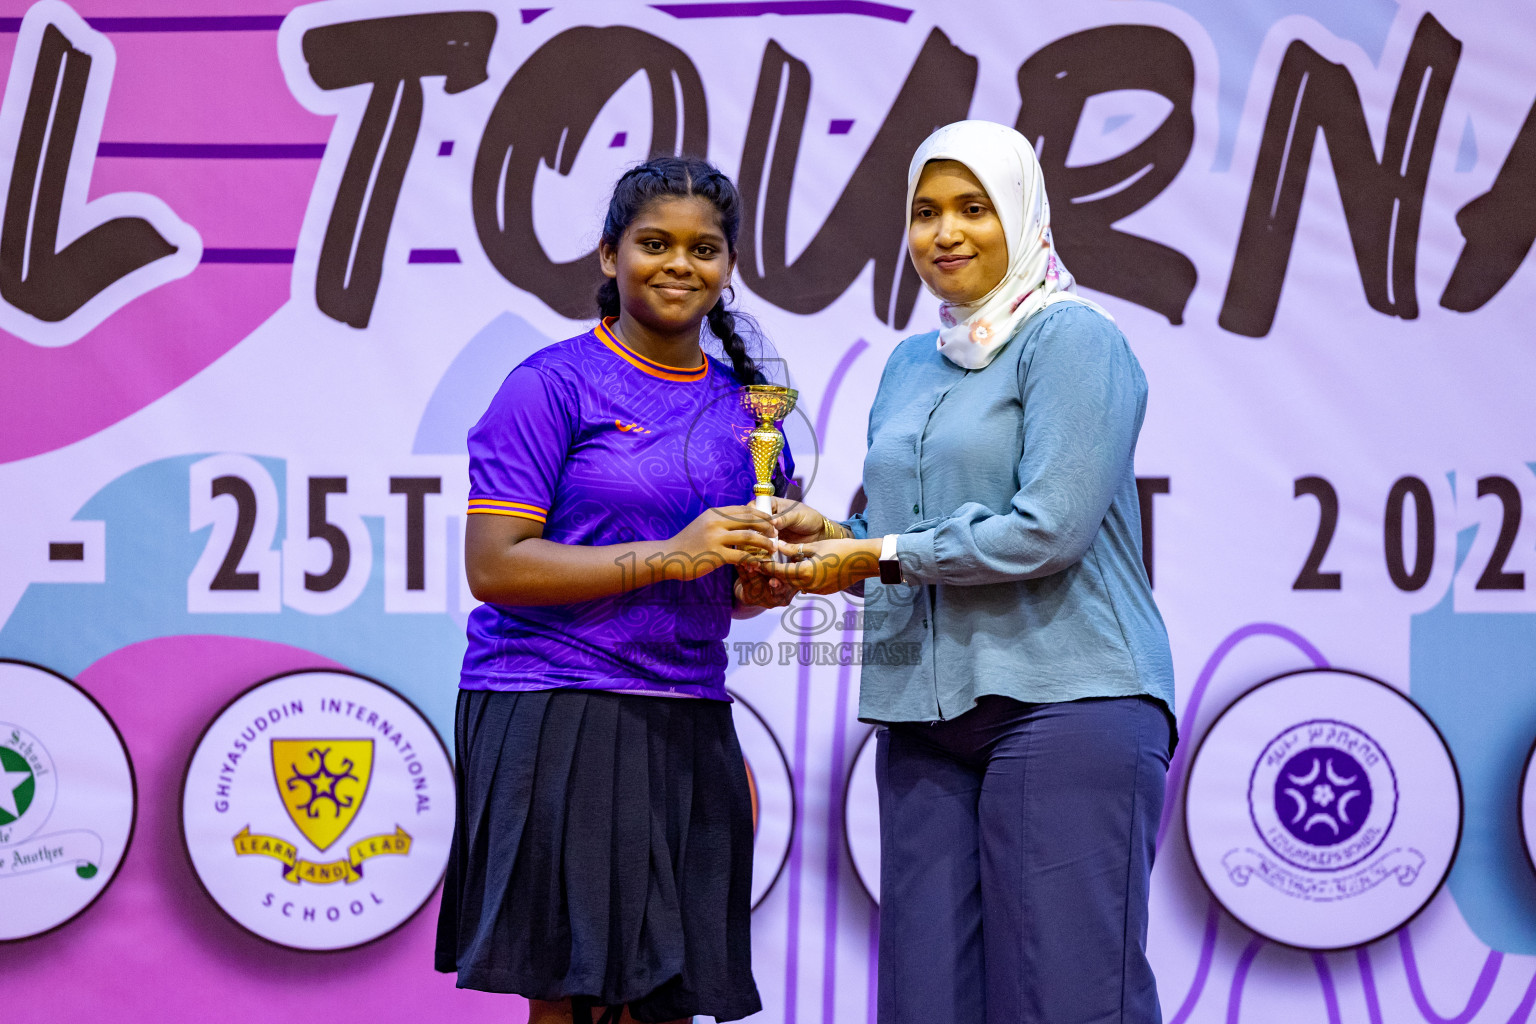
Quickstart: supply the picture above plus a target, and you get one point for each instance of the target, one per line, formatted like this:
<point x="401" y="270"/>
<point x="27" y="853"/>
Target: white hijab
<point x="973" y="333"/>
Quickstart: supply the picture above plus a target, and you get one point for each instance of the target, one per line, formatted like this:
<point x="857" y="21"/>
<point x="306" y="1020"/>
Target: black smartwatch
<point x="890" y="568"/>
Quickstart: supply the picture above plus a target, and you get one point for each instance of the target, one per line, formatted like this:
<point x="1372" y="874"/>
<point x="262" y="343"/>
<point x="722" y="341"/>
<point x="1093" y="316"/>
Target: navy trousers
<point x="1016" y="847"/>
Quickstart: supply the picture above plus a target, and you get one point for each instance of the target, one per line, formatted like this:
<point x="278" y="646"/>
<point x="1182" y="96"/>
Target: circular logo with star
<point x="27" y="781"/>
<point x="67" y="800"/>
<point x="1323" y="809"/>
<point x="317" y="810"/>
<point x="1323" y="795"/>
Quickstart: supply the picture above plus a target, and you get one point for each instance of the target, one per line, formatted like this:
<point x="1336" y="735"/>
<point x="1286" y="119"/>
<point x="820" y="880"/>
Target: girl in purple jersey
<point x="603" y="850"/>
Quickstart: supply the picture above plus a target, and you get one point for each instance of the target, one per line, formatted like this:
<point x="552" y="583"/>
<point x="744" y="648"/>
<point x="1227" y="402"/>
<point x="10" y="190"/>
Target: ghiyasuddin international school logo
<point x="1333" y="831"/>
<point x="318" y="809"/>
<point x="66" y="800"/>
<point x="322" y="783"/>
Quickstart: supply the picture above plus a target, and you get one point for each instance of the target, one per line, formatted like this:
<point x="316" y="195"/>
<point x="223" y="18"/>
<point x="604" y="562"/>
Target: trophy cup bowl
<point x="767" y="403"/>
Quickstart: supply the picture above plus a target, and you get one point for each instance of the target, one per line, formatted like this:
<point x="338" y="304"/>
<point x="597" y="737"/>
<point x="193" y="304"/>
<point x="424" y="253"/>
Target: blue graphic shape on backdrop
<point x="1111" y="123"/>
<point x="1473" y="673"/>
<point x="470" y="382"/>
<point x="1237" y="31"/>
<point x="150" y="553"/>
<point x="1466" y="154"/>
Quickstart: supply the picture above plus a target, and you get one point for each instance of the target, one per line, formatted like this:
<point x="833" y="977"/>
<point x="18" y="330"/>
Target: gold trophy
<point x="767" y="403"/>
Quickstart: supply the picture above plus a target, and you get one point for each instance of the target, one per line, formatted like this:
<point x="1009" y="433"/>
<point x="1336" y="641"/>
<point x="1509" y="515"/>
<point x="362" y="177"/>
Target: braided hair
<point x="668" y="177"/>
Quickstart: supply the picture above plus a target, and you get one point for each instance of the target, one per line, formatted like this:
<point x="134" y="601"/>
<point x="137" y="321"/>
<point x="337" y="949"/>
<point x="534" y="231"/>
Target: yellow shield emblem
<point x="322" y="783"/>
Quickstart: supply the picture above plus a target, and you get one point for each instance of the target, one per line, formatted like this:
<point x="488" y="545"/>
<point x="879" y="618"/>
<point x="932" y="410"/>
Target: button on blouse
<point x="1022" y="547"/>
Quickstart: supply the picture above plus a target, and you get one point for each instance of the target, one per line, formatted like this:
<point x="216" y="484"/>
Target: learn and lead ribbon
<point x="296" y="869"/>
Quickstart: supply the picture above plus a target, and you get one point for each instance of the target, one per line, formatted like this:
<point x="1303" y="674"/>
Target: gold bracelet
<point x="832" y="531"/>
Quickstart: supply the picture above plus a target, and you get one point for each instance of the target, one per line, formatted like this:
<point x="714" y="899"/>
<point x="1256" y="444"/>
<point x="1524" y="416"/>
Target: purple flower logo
<point x="1323" y="796"/>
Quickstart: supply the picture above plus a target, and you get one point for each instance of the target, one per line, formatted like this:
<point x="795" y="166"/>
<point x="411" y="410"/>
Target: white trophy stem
<point x="764" y="503"/>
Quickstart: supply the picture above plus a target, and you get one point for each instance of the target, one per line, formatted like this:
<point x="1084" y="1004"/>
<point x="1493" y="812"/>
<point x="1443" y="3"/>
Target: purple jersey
<point x="604" y="446"/>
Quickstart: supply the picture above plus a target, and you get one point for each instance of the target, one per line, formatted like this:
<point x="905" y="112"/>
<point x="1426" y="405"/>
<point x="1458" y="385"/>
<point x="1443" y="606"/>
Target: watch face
<point x="890" y="571"/>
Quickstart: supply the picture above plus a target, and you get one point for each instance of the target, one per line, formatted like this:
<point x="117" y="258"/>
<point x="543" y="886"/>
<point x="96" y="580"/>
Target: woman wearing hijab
<point x="1015" y="657"/>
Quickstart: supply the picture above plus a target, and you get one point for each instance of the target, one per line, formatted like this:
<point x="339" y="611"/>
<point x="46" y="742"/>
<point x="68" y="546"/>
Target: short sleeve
<point x="517" y="450"/>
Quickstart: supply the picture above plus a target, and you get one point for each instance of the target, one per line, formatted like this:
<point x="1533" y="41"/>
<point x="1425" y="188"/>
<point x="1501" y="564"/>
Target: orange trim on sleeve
<point x="498" y="503"/>
<point x="476" y="510"/>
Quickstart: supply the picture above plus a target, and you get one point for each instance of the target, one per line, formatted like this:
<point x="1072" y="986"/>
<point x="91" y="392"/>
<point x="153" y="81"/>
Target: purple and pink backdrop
<point x="312" y="241"/>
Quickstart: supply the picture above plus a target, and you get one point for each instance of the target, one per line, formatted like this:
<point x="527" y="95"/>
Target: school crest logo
<point x="322" y="783"/>
<point x="294" y="793"/>
<point x="66" y="800"/>
<point x="25" y="769"/>
<point x="1322" y="797"/>
<point x="1336" y="829"/>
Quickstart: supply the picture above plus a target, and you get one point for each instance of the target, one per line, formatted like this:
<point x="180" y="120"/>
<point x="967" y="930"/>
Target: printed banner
<point x="262" y="267"/>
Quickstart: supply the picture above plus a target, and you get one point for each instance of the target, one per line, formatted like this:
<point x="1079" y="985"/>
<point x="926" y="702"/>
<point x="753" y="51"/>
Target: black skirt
<point x="602" y="851"/>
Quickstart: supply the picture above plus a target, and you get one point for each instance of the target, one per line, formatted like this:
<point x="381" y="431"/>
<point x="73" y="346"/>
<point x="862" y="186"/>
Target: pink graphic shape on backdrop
<point x="234" y="204"/>
<point x="56" y="396"/>
<point x="205" y="87"/>
<point x="154" y="948"/>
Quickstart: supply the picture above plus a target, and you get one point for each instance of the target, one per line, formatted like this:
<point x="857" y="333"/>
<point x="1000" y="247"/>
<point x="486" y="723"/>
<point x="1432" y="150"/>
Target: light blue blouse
<point x="1013" y="488"/>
